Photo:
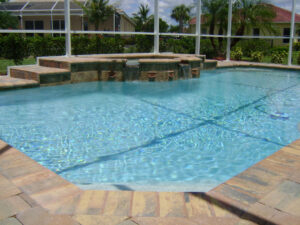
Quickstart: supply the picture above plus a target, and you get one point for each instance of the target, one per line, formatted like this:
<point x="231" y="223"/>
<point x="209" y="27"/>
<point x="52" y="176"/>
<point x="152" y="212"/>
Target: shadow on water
<point x="122" y="187"/>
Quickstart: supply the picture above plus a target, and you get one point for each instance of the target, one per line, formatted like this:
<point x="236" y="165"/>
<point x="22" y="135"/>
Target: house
<point x="281" y="23"/>
<point x="49" y="15"/>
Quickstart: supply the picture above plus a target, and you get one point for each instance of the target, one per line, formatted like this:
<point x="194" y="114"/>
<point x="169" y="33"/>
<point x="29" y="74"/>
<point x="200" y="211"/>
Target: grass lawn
<point x="4" y="63"/>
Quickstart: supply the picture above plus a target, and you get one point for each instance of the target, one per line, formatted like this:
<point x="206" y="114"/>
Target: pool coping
<point x="233" y="64"/>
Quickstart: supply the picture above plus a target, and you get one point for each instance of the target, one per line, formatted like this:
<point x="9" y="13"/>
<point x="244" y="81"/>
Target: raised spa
<point x="117" y="67"/>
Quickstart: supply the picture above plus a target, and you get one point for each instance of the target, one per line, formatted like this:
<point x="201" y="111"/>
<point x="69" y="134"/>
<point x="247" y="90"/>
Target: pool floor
<point x="196" y="133"/>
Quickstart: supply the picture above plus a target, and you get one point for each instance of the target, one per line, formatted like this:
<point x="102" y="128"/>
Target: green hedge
<point x="255" y="45"/>
<point x="14" y="47"/>
<point x="17" y="46"/>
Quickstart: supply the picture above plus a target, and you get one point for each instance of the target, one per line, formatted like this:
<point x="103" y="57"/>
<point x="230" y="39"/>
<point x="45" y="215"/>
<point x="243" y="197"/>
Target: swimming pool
<point x="186" y="134"/>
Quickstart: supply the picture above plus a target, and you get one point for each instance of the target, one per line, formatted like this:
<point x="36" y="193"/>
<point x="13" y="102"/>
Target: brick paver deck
<point x="266" y="193"/>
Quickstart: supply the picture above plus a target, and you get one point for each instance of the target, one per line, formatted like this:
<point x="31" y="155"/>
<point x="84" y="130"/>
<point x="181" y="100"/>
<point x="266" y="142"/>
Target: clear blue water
<point x="197" y="132"/>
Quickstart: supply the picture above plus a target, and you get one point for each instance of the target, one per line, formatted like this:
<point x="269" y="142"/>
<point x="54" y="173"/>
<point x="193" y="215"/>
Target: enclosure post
<point x="114" y="21"/>
<point x="229" y="30"/>
<point x="292" y="33"/>
<point x="198" y="27"/>
<point x="156" y="28"/>
<point x="68" y="28"/>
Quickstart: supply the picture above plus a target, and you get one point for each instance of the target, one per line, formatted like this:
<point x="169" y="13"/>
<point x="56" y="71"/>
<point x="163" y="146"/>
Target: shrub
<point x="278" y="57"/>
<point x="58" y="46"/>
<point x="80" y="45"/>
<point x="129" y="40"/>
<point x="1" y="45"/>
<point x="298" y="59"/>
<point x="100" y="44"/>
<point x="256" y="56"/>
<point x="297" y="46"/>
<point x="184" y="45"/>
<point x="279" y="49"/>
<point x="237" y="54"/>
<point x="112" y="45"/>
<point x="207" y="49"/>
<point x="175" y="46"/>
<point x="14" y="47"/>
<point x="144" y="43"/>
<point x="46" y="46"/>
<point x="255" y="45"/>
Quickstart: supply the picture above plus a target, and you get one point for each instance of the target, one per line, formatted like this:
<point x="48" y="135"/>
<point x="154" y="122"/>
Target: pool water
<point x="193" y="133"/>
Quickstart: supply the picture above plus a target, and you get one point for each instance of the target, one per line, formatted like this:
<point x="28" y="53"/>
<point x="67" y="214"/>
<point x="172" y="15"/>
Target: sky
<point x="166" y="6"/>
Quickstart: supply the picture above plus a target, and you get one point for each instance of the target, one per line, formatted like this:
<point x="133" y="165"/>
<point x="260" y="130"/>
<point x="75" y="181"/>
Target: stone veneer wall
<point x="84" y="69"/>
<point x="24" y="75"/>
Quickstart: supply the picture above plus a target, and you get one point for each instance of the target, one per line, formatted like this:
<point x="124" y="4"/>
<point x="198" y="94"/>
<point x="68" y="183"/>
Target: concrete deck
<point x="266" y="193"/>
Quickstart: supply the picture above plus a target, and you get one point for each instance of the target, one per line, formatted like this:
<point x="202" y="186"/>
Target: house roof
<point x="282" y="16"/>
<point x="39" y="7"/>
<point x="44" y="7"/>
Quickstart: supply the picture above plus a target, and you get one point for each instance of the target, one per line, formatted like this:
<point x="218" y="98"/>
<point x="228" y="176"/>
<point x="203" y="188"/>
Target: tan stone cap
<point x="39" y="69"/>
<point x="222" y="64"/>
<point x="75" y="59"/>
<point x="159" y="60"/>
<point x="190" y="59"/>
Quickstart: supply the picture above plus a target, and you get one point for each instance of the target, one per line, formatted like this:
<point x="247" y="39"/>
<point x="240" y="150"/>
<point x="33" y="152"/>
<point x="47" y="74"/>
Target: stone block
<point x="85" y="76"/>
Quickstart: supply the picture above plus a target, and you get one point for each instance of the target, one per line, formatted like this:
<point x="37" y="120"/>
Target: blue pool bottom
<point x="180" y="135"/>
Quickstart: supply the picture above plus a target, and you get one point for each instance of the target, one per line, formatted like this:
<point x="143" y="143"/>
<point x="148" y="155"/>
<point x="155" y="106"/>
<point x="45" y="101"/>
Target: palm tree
<point x="181" y="14"/>
<point x="141" y="17"/>
<point x="216" y="14"/>
<point x="97" y="11"/>
<point x="252" y="13"/>
<point x="246" y="14"/>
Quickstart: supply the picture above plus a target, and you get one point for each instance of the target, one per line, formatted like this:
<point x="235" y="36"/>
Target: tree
<point x="252" y="13"/>
<point x="7" y="21"/>
<point x="216" y="14"/>
<point x="149" y="26"/>
<point x="174" y="29"/>
<point x="246" y="14"/>
<point x="97" y="11"/>
<point x="181" y="14"/>
<point x="14" y="47"/>
<point x="141" y="17"/>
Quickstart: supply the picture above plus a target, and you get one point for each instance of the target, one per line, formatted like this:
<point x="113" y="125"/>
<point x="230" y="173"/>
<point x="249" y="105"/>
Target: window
<point x="256" y="31"/>
<point x="38" y="25"/>
<point x="29" y="25"/>
<point x="34" y="25"/>
<point x="117" y="22"/>
<point x="86" y="26"/>
<point x="58" y="24"/>
<point x="286" y="33"/>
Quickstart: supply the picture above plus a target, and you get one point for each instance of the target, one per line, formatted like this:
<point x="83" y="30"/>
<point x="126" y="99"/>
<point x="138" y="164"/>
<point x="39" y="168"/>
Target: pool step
<point x="7" y="82"/>
<point x="41" y="74"/>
